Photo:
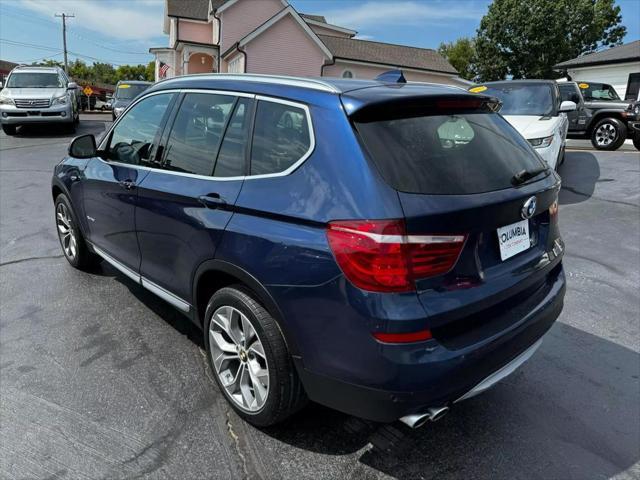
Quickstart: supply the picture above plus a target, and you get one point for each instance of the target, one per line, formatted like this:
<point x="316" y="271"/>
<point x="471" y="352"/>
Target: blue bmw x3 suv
<point x="383" y="248"/>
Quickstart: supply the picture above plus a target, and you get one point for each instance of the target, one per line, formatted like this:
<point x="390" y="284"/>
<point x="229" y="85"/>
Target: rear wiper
<point x="524" y="175"/>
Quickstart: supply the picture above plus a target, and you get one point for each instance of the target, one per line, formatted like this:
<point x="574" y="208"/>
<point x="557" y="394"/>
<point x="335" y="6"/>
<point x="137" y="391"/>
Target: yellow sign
<point x="87" y="91"/>
<point x="124" y="85"/>
<point x="479" y="89"/>
<point x="583" y="85"/>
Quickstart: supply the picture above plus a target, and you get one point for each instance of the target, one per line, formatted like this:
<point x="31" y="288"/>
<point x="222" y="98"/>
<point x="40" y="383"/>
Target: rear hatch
<point x="458" y="169"/>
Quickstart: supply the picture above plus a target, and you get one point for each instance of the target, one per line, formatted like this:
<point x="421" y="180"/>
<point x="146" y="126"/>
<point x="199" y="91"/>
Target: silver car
<point x="35" y="95"/>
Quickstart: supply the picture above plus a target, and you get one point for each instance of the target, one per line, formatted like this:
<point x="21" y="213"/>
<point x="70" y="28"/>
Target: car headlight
<point x="542" y="142"/>
<point x="59" y="100"/>
<point x="4" y="100"/>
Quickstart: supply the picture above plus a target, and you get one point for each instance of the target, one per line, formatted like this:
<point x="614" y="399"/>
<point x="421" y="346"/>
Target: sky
<point x="122" y="31"/>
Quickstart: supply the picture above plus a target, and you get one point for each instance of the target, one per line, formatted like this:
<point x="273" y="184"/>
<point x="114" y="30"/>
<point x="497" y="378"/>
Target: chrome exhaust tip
<point x="417" y="420"/>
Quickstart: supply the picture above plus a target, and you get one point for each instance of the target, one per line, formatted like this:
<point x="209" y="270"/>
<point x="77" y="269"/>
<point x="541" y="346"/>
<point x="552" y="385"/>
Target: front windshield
<point x="35" y="80"/>
<point x="521" y="99"/>
<point x="598" y="91"/>
<point x="128" y="91"/>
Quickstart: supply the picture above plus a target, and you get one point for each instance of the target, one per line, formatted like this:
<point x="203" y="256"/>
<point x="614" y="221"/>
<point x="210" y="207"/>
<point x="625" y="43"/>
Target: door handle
<point x="127" y="184"/>
<point x="212" y="200"/>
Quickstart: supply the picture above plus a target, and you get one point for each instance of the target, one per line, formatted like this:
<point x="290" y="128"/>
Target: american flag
<point x="163" y="69"/>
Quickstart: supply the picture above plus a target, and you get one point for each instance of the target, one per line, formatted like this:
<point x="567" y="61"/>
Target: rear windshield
<point x="522" y="99"/>
<point x="35" y="80"/>
<point x="447" y="154"/>
<point x="128" y="91"/>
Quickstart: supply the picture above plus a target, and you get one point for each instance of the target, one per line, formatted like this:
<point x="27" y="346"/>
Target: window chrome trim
<point x="266" y="98"/>
<point x="164" y="294"/>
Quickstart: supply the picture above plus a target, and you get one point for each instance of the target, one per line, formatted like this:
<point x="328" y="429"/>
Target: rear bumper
<point x="436" y="376"/>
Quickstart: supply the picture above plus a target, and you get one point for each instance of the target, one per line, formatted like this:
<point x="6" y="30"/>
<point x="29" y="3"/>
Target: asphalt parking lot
<point x="100" y="379"/>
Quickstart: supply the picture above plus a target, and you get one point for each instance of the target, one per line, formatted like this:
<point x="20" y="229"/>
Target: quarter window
<point x="133" y="137"/>
<point x="281" y="137"/>
<point x="196" y="133"/>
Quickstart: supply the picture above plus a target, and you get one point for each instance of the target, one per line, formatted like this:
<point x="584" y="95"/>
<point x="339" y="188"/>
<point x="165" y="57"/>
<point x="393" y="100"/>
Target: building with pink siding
<point x="271" y="37"/>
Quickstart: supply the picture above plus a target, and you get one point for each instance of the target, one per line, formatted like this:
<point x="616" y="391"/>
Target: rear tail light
<point x="379" y="256"/>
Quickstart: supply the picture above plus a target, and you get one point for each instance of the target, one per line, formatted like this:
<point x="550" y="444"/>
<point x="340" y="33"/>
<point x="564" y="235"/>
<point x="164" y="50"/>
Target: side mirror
<point x="83" y="147"/>
<point x="72" y="86"/>
<point x="567" y="106"/>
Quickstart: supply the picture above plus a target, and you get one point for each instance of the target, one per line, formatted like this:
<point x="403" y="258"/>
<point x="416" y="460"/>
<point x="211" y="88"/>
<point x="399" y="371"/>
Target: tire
<point x="561" y="157"/>
<point x="79" y="255"/>
<point x="9" y="129"/>
<point x="636" y="141"/>
<point x="279" y="392"/>
<point x="608" y="134"/>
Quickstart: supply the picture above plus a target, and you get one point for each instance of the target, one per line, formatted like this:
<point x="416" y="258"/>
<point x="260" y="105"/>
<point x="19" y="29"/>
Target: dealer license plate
<point x="514" y="239"/>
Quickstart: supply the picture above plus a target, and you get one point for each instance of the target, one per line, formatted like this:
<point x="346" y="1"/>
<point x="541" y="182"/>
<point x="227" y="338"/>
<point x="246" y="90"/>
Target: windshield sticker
<point x="124" y="85"/>
<point x="479" y="89"/>
<point x="583" y="86"/>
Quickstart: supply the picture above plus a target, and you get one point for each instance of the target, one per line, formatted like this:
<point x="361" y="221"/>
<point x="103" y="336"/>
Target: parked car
<point x="101" y="105"/>
<point x="36" y="95"/>
<point x="383" y="249"/>
<point x="534" y="108"/>
<point x="600" y="115"/>
<point x="126" y="92"/>
<point x="633" y="114"/>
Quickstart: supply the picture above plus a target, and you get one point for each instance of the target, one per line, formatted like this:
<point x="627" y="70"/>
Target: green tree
<point x="150" y="72"/>
<point x="103" y="73"/>
<point x="461" y="54"/>
<point x="525" y="39"/>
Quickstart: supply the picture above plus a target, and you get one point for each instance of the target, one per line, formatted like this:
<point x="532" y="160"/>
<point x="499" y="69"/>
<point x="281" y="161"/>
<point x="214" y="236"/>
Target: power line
<point x="29" y="45"/>
<point x="39" y="59"/>
<point x="50" y="49"/>
<point x="49" y="23"/>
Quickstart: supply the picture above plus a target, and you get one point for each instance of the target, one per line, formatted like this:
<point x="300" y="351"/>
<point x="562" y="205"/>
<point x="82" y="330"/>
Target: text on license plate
<point x="513" y="239"/>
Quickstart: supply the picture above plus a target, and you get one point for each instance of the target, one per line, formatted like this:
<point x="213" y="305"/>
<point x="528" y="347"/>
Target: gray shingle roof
<point x="387" y="53"/>
<point x="315" y="18"/>
<point x="623" y="53"/>
<point x="196" y="9"/>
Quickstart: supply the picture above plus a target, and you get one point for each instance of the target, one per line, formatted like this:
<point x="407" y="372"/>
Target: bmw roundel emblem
<point x="529" y="208"/>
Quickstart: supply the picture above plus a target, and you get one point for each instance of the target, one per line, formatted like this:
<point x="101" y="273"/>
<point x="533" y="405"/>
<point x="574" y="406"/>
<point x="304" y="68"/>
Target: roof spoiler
<point x="392" y="76"/>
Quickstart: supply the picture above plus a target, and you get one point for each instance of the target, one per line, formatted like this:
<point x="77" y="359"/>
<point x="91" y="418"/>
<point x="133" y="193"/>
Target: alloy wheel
<point x="238" y="358"/>
<point x="606" y="134"/>
<point x="66" y="232"/>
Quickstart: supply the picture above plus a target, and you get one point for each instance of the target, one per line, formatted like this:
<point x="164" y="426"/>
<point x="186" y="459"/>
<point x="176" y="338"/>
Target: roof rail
<point x="312" y="83"/>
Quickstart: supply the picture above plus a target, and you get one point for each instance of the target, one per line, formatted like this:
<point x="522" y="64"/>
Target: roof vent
<point x="392" y="76"/>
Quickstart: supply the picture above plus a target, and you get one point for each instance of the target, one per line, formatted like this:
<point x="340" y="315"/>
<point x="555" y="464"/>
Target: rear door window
<point x="231" y="160"/>
<point x="195" y="137"/>
<point x="281" y="137"/>
<point x="447" y="154"/>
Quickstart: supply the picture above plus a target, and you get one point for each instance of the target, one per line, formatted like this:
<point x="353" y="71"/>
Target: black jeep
<point x="601" y="115"/>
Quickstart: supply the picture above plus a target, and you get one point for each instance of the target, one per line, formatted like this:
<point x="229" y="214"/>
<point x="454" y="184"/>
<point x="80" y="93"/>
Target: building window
<point x="236" y="65"/>
<point x="347" y="74"/>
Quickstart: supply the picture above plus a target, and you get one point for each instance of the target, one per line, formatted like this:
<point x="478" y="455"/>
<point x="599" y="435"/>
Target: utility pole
<point x="64" y="17"/>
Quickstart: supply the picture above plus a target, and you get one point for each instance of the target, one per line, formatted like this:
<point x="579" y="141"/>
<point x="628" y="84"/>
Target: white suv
<point x="38" y="95"/>
<point x="536" y="111"/>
